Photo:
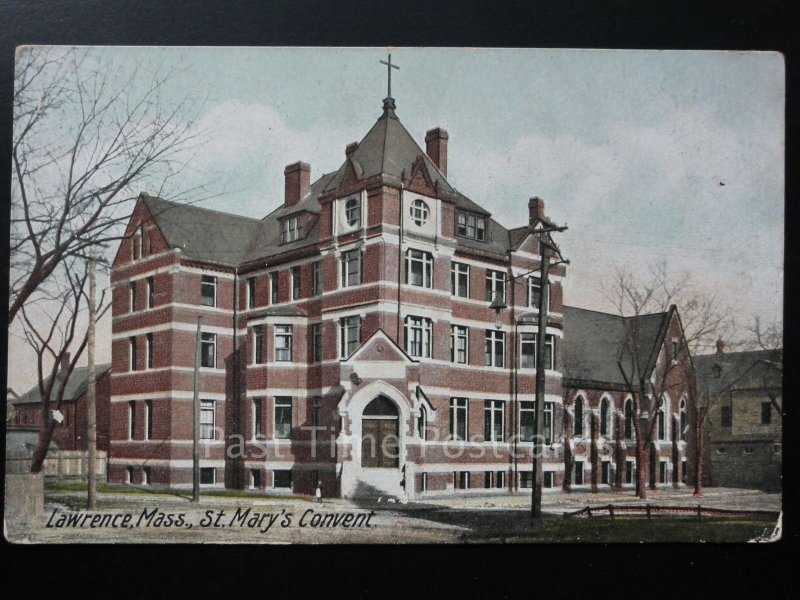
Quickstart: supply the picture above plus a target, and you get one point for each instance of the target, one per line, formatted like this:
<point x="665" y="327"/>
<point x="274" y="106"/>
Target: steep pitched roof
<point x="595" y="341"/>
<point x="719" y="372"/>
<point x="77" y="384"/>
<point x="202" y="233"/>
<point x="388" y="149"/>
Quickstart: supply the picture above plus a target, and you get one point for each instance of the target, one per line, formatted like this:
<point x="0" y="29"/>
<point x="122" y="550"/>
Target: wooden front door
<point x="379" y="443"/>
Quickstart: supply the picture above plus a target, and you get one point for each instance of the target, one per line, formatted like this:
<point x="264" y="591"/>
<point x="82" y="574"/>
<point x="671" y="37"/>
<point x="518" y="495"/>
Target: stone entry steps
<point x="380" y="485"/>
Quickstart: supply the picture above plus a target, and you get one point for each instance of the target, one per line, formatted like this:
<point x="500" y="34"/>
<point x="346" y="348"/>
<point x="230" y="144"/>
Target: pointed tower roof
<point x="388" y="149"/>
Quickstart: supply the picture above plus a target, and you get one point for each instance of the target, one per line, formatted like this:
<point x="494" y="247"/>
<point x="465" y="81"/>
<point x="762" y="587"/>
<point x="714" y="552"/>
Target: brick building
<point x="744" y="391"/>
<point x="345" y="338"/>
<point x="71" y="433"/>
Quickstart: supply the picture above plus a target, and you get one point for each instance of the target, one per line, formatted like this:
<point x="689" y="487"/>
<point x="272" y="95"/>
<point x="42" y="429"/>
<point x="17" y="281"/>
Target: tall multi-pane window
<point x="289" y="230"/>
<point x="419" y="268"/>
<point x="683" y="419"/>
<point x="535" y="293"/>
<point x="208" y="290"/>
<point x="458" y="418"/>
<point x="150" y="350"/>
<point x="471" y="226"/>
<point x="578" y="476"/>
<point x="548" y="422"/>
<point x="273" y="287"/>
<point x="316" y="278"/>
<point x="132" y="343"/>
<point x="283" y="417"/>
<point x="605" y="428"/>
<point x="459" y="344"/>
<point x="662" y="425"/>
<point x="495" y="285"/>
<point x="131" y="419"/>
<point x="352" y="212"/>
<point x="493" y="420"/>
<point x="629" y="418"/>
<point x="495" y="348"/>
<point x="295" y="283"/>
<point x="526" y="417"/>
<point x="283" y="343"/>
<point x="349" y="335"/>
<point x="316" y="412"/>
<point x="258" y="406"/>
<point x="144" y="240"/>
<point x="208" y="350"/>
<point x="151" y="292"/>
<point x="418" y="336"/>
<point x="251" y="292"/>
<point x="316" y="342"/>
<point x="528" y="350"/>
<point x="422" y="423"/>
<point x="207" y="417"/>
<point x="351" y="268"/>
<point x="578" y="427"/>
<point x="258" y="345"/>
<point x="148" y="419"/>
<point x="133" y="296"/>
<point x="459" y="280"/>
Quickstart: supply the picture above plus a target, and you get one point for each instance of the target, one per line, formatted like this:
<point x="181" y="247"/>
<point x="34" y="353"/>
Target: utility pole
<point x="538" y="415"/>
<point x="541" y="339"/>
<point x="91" y="396"/>
<point x="196" y="420"/>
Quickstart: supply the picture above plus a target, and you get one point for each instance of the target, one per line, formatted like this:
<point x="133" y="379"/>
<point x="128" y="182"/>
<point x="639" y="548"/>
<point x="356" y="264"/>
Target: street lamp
<point x="498" y="305"/>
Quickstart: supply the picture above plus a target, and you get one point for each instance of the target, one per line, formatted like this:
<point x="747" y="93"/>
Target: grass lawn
<point x="637" y="530"/>
<point x="54" y="488"/>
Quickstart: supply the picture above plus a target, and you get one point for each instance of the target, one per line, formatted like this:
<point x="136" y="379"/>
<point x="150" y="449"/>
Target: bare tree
<point x="650" y="377"/>
<point x="87" y="137"/>
<point x="769" y="337"/>
<point x="704" y="317"/>
<point x="51" y="327"/>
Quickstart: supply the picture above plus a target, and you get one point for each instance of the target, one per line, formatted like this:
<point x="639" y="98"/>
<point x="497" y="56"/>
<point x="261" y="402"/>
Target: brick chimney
<point x="298" y="180"/>
<point x="436" y="148"/>
<point x="350" y="149"/>
<point x="720" y="346"/>
<point x="535" y="210"/>
<point x="64" y="363"/>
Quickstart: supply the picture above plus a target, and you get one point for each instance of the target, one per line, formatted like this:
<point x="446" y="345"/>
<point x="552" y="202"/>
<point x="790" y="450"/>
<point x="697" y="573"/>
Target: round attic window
<point x="419" y="212"/>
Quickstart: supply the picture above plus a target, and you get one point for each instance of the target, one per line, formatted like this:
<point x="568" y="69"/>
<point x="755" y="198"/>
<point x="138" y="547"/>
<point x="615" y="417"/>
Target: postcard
<point x="395" y="295"/>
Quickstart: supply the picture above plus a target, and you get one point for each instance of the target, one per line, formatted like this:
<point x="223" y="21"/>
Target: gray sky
<point x="629" y="148"/>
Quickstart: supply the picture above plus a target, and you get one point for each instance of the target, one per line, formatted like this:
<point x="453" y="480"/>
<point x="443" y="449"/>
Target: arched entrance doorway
<point x="380" y="442"/>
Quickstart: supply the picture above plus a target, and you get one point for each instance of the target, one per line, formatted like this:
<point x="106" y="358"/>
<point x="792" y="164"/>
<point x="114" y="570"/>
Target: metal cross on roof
<point x="389" y="67"/>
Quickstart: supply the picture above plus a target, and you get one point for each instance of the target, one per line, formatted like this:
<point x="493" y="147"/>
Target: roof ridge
<point x="147" y="198"/>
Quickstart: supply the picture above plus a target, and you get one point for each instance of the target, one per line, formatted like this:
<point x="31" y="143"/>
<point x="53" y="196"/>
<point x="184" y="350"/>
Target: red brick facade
<point x="311" y="408"/>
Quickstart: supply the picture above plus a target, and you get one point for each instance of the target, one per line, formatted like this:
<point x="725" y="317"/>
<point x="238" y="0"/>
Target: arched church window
<point x="352" y="212"/>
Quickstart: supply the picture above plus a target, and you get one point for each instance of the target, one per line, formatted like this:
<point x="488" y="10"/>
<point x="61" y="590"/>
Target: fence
<point x="59" y="464"/>
<point x="650" y="510"/>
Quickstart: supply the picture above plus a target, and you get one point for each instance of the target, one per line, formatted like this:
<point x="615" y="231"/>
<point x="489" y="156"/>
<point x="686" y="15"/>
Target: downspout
<point x="400" y="257"/>
<point x="514" y="373"/>
<point x="237" y="474"/>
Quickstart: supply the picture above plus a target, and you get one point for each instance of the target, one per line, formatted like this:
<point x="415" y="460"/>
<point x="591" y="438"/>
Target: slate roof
<point x="732" y="367"/>
<point x="594" y="342"/>
<point x="76" y="387"/>
<point x="201" y="233"/>
<point x="388" y="148"/>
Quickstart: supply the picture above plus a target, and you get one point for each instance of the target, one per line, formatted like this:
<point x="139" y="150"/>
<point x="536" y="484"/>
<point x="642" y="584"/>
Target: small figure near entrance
<point x="319" y="491"/>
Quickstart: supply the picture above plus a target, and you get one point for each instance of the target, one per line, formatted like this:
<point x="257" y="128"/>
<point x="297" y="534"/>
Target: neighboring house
<point x="347" y="337"/>
<point x="71" y="433"/>
<point x="745" y="424"/>
<point x="598" y="403"/>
